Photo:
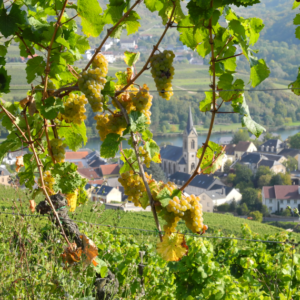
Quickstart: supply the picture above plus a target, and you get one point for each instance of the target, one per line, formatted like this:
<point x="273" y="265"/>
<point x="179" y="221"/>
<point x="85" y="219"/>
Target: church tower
<point x="190" y="144"/>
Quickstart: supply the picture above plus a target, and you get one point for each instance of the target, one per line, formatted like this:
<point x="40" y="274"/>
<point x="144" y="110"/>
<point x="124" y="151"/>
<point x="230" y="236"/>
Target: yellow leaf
<point x="32" y="205"/>
<point x="19" y="163"/>
<point x="173" y="247"/>
<point x="90" y="250"/>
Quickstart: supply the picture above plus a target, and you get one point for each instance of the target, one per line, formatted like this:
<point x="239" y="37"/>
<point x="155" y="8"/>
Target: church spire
<point x="190" y="124"/>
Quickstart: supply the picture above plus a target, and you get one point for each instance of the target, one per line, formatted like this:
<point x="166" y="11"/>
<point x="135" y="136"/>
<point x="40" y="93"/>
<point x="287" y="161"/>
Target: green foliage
<point x="156" y="171"/>
<point x="243" y="209"/>
<point x="256" y="216"/>
<point x="223" y="207"/>
<point x="110" y="146"/>
<point x="240" y="136"/>
<point x="250" y="196"/>
<point x="291" y="164"/>
<point x="295" y="141"/>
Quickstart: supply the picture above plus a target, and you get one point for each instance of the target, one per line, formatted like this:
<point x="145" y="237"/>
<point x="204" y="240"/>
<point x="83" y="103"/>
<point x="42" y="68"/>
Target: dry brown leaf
<point x="19" y="163"/>
<point x="32" y="107"/>
<point x="24" y="101"/>
<point x="90" y="250"/>
<point x="32" y="205"/>
<point x="72" y="255"/>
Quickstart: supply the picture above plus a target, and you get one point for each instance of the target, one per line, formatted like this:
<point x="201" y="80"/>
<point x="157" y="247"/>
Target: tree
<point x="256" y="216"/>
<point x="231" y="178"/>
<point x="243" y="174"/>
<point x="286" y="213"/>
<point x="291" y="164"/>
<point x="276" y="180"/>
<point x="249" y="196"/>
<point x="206" y="123"/>
<point x="233" y="206"/>
<point x="182" y="125"/>
<point x="243" y="210"/>
<point x="240" y="136"/>
<point x="156" y="171"/>
<point x="227" y="165"/>
<point x="265" y="211"/>
<point x="223" y="207"/>
<point x="281" y="179"/>
<point x="295" y="141"/>
<point x="264" y="180"/>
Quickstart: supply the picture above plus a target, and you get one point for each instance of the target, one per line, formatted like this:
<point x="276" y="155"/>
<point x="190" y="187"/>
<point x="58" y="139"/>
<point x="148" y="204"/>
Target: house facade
<point x="127" y="44"/>
<point x="4" y="176"/>
<point x="292" y="153"/>
<point x="106" y="194"/>
<point x="278" y="197"/>
<point x="235" y="152"/>
<point x="222" y="195"/>
<point x="272" y="146"/>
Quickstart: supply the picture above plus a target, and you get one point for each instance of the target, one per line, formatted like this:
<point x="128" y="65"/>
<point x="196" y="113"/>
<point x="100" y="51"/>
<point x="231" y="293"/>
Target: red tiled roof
<point x="89" y="173"/>
<point x="110" y="169"/>
<point x="281" y="192"/>
<point x="79" y="164"/>
<point x="99" y="181"/>
<point x="76" y="155"/>
<point x="229" y="149"/>
<point x="242" y="146"/>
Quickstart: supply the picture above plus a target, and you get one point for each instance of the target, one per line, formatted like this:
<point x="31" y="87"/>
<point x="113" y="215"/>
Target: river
<point x="94" y="144"/>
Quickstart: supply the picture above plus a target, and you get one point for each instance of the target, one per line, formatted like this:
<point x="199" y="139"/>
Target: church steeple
<point x="190" y="123"/>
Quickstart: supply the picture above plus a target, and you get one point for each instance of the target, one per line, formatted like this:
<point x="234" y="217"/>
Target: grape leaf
<point x="131" y="58"/>
<point x="51" y="108"/>
<point x="151" y="4"/>
<point x="146" y="135"/>
<point x="110" y="146"/>
<point x="137" y="121"/>
<point x="66" y="177"/>
<point x="9" y="145"/>
<point x="91" y="20"/>
<point x="122" y="78"/>
<point x="153" y="151"/>
<point x="9" y="22"/>
<point x="205" y="105"/>
<point x="144" y="200"/>
<point x="259" y="72"/>
<point x="164" y="197"/>
<point x="101" y="267"/>
<point x="3" y="50"/>
<point x="35" y="66"/>
<point x="131" y="22"/>
<point x="109" y="89"/>
<point x="113" y="13"/>
<point x="130" y="156"/>
<point x="4" y="81"/>
<point x="74" y="135"/>
<point x="27" y="176"/>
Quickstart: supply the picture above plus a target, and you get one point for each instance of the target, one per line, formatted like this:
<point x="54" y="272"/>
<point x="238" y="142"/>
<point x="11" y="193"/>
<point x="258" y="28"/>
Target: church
<point x="178" y="159"/>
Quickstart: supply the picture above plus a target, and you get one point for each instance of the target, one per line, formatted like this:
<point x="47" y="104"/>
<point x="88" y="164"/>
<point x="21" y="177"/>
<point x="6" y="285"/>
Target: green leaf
<point x="9" y="145"/>
<point x="295" y="4"/>
<point x="109" y="89"/>
<point x="91" y="19"/>
<point x="51" y="108"/>
<point x="113" y="13"/>
<point x="131" y="58"/>
<point x="137" y="121"/>
<point x="153" y="150"/>
<point x="147" y="135"/>
<point x="131" y="22"/>
<point x="205" y="105"/>
<point x="4" y="81"/>
<point x="131" y="158"/>
<point x="144" y="200"/>
<point x="151" y="4"/>
<point x="9" y="23"/>
<point x="35" y="66"/>
<point x="27" y="176"/>
<point x="66" y="177"/>
<point x="110" y="146"/>
<point x="74" y="134"/>
<point x="3" y="50"/>
<point x="164" y="197"/>
<point x="256" y="26"/>
<point x="62" y="41"/>
<point x="101" y="267"/>
<point x="259" y="72"/>
<point x="122" y="78"/>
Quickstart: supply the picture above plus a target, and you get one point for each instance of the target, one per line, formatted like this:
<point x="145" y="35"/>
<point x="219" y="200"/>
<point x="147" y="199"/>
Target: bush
<point x="242" y="210"/>
<point x="256" y="216"/>
<point x="223" y="207"/>
<point x="286" y="213"/>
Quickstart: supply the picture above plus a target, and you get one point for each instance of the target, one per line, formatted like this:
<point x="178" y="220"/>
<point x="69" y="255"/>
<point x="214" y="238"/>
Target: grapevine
<point x="58" y="149"/>
<point x="162" y="71"/>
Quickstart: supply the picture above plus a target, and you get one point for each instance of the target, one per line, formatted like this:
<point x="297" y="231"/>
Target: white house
<point x="278" y="197"/>
<point x="109" y="56"/>
<point x="128" y="44"/>
<point x="222" y="195"/>
<point x="106" y="194"/>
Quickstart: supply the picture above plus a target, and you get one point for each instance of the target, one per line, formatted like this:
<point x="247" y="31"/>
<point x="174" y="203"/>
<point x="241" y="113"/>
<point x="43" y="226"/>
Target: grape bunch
<point x="74" y="109"/>
<point x="72" y="200"/>
<point x="49" y="182"/>
<point x="110" y="124"/>
<point x="162" y="71"/>
<point x="100" y="62"/>
<point x="125" y="99"/>
<point x="91" y="83"/>
<point x="145" y="156"/>
<point x="58" y="149"/>
<point x="133" y="186"/>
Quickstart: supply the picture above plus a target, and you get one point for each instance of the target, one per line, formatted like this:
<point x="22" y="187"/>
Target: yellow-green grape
<point x="143" y="101"/>
<point x="74" y="109"/>
<point x="162" y="71"/>
<point x="58" y="149"/>
<point x="49" y="181"/>
<point x="110" y="124"/>
<point x="125" y="99"/>
<point x="72" y="200"/>
<point x="101" y="62"/>
<point x="91" y="83"/>
<point x="133" y="186"/>
<point x="145" y="155"/>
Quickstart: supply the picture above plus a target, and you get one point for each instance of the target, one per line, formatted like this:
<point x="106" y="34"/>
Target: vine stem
<point x="40" y="168"/>
<point x="110" y="31"/>
<point x="214" y="110"/>
<point x="39" y="164"/>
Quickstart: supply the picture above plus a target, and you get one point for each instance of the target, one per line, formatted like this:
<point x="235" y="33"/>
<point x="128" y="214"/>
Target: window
<point x="295" y="201"/>
<point x="270" y="208"/>
<point x="203" y="197"/>
<point x="192" y="155"/>
<point x="192" y="166"/>
<point x="184" y="170"/>
<point x="185" y="145"/>
<point x="281" y="201"/>
<point x="170" y="171"/>
<point x="207" y="203"/>
<point x="193" y="144"/>
<point x="174" y="168"/>
<point x="288" y="202"/>
<point x="270" y="201"/>
<point x="165" y="166"/>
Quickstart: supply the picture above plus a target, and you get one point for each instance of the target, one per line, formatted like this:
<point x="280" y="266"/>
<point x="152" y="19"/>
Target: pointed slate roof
<point x="171" y="152"/>
<point x="190" y="123"/>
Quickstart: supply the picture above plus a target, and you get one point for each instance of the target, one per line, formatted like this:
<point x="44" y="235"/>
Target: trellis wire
<point x="156" y="231"/>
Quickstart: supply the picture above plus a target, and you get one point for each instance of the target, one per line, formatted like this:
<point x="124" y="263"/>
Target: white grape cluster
<point x="58" y="149"/>
<point x="92" y="81"/>
<point x="74" y="109"/>
<point x="162" y="71"/>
